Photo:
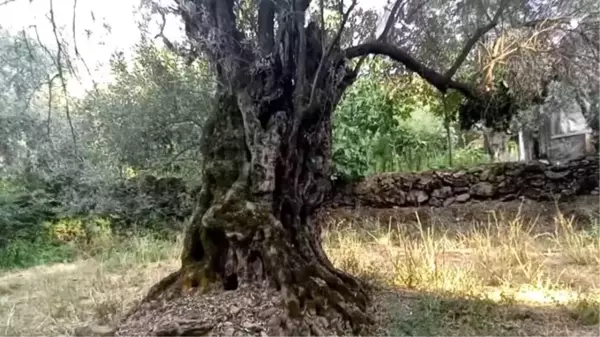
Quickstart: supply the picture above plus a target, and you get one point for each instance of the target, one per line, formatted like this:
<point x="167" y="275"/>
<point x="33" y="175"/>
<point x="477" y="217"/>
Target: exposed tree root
<point x="317" y="298"/>
<point x="247" y="311"/>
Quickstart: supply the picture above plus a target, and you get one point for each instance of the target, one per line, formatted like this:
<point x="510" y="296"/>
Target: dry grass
<point x="497" y="269"/>
<point x="56" y="299"/>
<point x="500" y="278"/>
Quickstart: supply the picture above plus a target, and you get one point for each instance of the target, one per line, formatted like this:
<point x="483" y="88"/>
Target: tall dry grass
<point x="502" y="261"/>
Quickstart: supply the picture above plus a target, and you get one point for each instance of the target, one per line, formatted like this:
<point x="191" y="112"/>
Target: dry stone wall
<point x="500" y="181"/>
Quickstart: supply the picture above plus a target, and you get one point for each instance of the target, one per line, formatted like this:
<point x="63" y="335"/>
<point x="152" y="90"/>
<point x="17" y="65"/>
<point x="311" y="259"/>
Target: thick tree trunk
<point x="253" y="223"/>
<point x="267" y="161"/>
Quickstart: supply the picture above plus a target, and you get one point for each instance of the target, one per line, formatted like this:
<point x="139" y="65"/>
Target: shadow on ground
<point x="406" y="313"/>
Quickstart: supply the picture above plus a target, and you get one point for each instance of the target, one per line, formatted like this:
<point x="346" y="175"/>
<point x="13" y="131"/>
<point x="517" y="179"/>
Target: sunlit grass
<point x="57" y="299"/>
<point x="502" y="262"/>
<point x="580" y="248"/>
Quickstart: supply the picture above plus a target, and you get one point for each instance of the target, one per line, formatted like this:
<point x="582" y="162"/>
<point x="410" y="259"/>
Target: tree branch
<point x="50" y="82"/>
<point x="266" y="35"/>
<point x="480" y="32"/>
<point x="212" y="24"/>
<point x="161" y="34"/>
<point x="390" y="21"/>
<point x="321" y="69"/>
<point x="189" y="55"/>
<point x="299" y="91"/>
<point x="59" y="54"/>
<point x="388" y="25"/>
<point x="76" y="49"/>
<point x="322" y="18"/>
<point x="441" y="82"/>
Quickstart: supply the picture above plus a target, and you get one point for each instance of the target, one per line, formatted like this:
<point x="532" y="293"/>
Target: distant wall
<point x="500" y="181"/>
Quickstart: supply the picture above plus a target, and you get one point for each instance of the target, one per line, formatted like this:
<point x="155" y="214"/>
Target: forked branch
<point x="212" y="24"/>
<point x="321" y="69"/>
<point x="388" y="26"/>
<point x="479" y="33"/>
<point x="441" y="82"/>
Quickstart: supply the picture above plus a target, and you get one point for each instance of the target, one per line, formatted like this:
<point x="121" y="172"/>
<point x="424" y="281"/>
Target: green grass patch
<point x="22" y="254"/>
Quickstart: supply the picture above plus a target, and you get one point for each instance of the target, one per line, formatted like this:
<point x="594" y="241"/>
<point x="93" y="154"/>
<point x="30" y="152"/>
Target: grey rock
<point x="516" y="172"/>
<point x="537" y="181"/>
<point x="417" y="197"/>
<point x="485" y="175"/>
<point x="463" y="197"/>
<point x="435" y="202"/>
<point x="448" y="201"/>
<point x="483" y="189"/>
<point x="460" y="190"/>
<point x="531" y="180"/>
<point x="442" y="193"/>
<point x="556" y="175"/>
<point x="94" y="330"/>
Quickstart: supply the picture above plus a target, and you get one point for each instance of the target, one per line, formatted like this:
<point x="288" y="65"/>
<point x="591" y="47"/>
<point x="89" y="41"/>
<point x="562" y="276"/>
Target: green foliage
<point x="23" y="212"/>
<point x="23" y="254"/>
<point x="36" y="231"/>
<point x="366" y="112"/>
<point x="152" y="115"/>
<point x="56" y="193"/>
<point x="494" y="109"/>
<point x="38" y="226"/>
<point x="395" y="123"/>
<point x="23" y="220"/>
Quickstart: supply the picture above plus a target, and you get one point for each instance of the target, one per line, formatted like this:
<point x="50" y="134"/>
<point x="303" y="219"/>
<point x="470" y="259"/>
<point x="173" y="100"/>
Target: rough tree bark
<point x="267" y="166"/>
<point x="268" y="161"/>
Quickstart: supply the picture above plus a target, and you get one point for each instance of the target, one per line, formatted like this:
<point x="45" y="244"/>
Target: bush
<point x="22" y="254"/>
<point x="43" y="226"/>
<point x="23" y="213"/>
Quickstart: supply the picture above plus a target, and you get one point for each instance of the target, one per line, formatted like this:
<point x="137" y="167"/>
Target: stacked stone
<point x="502" y="181"/>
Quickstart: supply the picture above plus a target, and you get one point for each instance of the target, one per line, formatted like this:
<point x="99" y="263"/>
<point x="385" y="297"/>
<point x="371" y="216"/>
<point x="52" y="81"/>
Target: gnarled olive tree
<point x="268" y="154"/>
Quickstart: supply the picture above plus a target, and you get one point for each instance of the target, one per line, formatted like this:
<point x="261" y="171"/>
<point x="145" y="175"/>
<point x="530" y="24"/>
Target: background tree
<point x="390" y="121"/>
<point x="122" y="131"/>
<point x="19" y="80"/>
<point x="152" y="114"/>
